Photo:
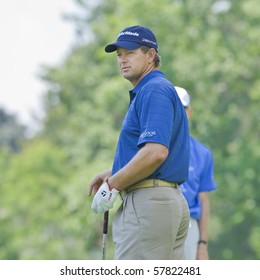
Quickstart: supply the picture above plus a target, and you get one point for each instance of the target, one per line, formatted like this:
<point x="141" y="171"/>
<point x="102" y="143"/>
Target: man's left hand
<point x="104" y="198"/>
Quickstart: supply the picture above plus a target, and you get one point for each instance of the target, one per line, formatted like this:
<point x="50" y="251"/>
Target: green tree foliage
<point x="209" y="47"/>
<point x="43" y="210"/>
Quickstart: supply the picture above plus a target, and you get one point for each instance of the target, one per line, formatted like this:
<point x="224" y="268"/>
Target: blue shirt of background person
<point x="151" y="119"/>
<point x="200" y="176"/>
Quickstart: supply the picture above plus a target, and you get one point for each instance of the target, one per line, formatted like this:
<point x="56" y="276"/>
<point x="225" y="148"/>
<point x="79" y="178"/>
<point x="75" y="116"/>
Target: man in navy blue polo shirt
<point x="196" y="190"/>
<point x="151" y="159"/>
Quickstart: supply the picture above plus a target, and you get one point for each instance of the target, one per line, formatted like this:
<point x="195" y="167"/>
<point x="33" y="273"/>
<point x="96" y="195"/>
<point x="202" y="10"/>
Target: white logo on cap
<point x="148" y="41"/>
<point x="128" y="33"/>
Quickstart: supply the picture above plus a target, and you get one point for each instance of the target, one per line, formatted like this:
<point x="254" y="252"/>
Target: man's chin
<point x="126" y="75"/>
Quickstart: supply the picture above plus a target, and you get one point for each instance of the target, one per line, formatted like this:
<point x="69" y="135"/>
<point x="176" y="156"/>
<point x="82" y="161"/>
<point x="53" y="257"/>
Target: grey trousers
<point x="151" y="224"/>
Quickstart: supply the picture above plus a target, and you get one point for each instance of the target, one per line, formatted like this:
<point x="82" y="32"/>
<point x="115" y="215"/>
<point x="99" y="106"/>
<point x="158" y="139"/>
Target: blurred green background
<point x="209" y="47"/>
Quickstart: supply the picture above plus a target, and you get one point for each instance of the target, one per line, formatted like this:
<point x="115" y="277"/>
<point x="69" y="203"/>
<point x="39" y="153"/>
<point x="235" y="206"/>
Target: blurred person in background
<point x="196" y="191"/>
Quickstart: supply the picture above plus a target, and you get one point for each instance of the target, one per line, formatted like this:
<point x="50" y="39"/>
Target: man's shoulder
<point x="159" y="85"/>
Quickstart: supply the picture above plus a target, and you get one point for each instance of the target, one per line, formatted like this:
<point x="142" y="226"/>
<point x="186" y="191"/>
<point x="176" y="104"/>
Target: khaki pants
<point x="151" y="223"/>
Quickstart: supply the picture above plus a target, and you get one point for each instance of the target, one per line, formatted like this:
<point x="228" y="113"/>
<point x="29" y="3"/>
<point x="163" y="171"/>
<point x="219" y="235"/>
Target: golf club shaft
<point x="105" y="228"/>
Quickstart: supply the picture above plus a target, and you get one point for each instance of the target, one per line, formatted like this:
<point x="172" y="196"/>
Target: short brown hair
<point x="157" y="59"/>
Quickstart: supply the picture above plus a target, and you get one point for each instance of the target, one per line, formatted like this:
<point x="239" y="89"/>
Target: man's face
<point x="134" y="64"/>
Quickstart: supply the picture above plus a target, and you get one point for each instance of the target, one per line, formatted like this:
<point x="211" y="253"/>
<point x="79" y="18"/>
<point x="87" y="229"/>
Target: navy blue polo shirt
<point x="155" y="114"/>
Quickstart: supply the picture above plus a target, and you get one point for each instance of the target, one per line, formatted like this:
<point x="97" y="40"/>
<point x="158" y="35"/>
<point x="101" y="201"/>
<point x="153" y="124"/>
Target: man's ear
<point x="151" y="54"/>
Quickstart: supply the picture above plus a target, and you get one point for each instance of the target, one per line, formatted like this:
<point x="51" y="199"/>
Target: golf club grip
<point x="105" y="224"/>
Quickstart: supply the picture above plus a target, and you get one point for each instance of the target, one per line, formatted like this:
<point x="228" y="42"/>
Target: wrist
<point x="110" y="187"/>
<point x="202" y="241"/>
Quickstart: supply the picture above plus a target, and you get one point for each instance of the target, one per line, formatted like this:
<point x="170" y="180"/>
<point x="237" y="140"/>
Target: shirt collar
<point x="146" y="78"/>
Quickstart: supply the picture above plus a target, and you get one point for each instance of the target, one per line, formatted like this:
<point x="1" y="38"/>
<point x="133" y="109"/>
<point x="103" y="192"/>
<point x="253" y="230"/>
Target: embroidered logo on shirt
<point x="148" y="133"/>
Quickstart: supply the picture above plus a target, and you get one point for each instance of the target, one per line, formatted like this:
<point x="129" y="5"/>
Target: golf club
<point x="105" y="227"/>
